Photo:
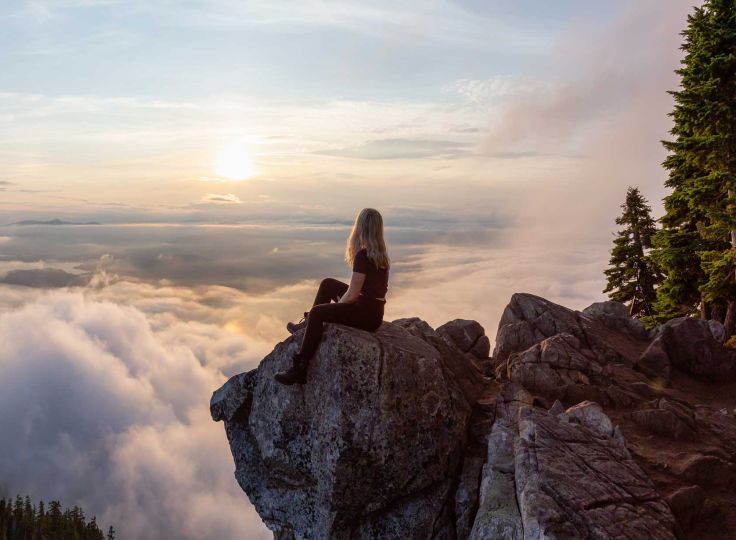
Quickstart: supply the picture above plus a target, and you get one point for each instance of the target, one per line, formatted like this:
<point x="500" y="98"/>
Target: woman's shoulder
<point x="361" y="262"/>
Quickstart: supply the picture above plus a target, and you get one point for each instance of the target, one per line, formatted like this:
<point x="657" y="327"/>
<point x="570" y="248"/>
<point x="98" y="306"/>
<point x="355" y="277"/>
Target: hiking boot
<point x="297" y="373"/>
<point x="293" y="327"/>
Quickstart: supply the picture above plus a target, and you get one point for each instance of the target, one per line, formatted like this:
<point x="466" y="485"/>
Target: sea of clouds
<point x="105" y="386"/>
<point x="105" y="405"/>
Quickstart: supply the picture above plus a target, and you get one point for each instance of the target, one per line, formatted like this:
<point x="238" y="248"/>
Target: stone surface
<point x="587" y="424"/>
<point x="466" y="375"/>
<point x="415" y="326"/>
<point x="557" y="408"/>
<point x="615" y="315"/>
<point x="560" y="367"/>
<point x="466" y="496"/>
<point x="573" y="482"/>
<point x="708" y="470"/>
<point x="686" y="504"/>
<point x="717" y="330"/>
<point x="655" y="361"/>
<point x="691" y="346"/>
<point x="529" y="319"/>
<point x="498" y="514"/>
<point x="230" y="398"/>
<point x="366" y="447"/>
<point x="667" y="417"/>
<point x="468" y="335"/>
<point x="591" y="415"/>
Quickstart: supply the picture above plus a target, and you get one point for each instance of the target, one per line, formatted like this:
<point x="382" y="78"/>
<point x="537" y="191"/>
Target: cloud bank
<point x="104" y="389"/>
<point x="105" y="406"/>
<point x="606" y="103"/>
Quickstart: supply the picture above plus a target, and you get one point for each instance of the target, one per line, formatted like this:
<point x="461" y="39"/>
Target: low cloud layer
<point x="106" y="406"/>
<point x="104" y="388"/>
<point x="253" y="257"/>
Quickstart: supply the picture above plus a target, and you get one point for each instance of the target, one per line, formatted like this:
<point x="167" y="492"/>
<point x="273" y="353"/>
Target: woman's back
<point x="376" y="279"/>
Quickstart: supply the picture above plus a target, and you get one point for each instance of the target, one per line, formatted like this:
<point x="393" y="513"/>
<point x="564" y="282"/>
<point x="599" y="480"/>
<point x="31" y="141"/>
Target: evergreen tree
<point x="697" y="244"/>
<point x="632" y="275"/>
<point x="21" y="520"/>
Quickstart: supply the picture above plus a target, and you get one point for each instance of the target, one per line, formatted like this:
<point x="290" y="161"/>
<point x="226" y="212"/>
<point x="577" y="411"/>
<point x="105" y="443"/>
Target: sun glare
<point x="234" y="162"/>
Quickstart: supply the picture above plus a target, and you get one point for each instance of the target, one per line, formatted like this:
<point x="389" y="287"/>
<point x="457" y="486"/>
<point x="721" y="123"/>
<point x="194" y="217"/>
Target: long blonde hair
<point x="368" y="232"/>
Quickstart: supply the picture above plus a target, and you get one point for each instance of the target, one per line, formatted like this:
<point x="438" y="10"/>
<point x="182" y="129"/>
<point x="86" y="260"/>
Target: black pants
<point x="365" y="314"/>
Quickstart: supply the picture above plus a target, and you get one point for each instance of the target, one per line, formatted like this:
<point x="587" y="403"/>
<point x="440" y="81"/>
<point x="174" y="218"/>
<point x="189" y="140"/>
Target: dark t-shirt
<point x="376" y="279"/>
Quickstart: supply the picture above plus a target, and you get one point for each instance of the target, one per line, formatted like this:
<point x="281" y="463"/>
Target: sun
<point x="234" y="162"/>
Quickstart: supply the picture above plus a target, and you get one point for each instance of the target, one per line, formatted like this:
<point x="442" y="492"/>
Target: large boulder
<point x="468" y="335"/>
<point x="527" y="320"/>
<point x="560" y="367"/>
<point x="655" y="362"/>
<point x="367" y="448"/>
<point x="615" y="315"/>
<point x="602" y="328"/>
<point x="686" y="504"/>
<point x="695" y="346"/>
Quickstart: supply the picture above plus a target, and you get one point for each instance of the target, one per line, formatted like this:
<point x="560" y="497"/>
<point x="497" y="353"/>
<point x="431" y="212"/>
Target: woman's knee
<point x="331" y="288"/>
<point x="329" y="282"/>
<point x="317" y="312"/>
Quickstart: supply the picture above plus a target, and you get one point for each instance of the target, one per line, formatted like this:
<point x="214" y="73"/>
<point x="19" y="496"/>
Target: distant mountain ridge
<point x="52" y="222"/>
<point x="45" y="277"/>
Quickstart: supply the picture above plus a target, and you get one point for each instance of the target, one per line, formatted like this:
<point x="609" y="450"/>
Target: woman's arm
<point x="356" y="285"/>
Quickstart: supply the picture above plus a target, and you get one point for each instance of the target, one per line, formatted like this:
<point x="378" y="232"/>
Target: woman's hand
<point x="356" y="285"/>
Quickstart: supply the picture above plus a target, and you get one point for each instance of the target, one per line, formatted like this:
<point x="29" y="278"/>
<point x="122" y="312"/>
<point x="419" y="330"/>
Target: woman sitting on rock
<point x="359" y="304"/>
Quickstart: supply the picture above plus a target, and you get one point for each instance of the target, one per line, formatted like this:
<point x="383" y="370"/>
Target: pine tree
<point x="697" y="244"/>
<point x="22" y="520"/>
<point x="632" y="275"/>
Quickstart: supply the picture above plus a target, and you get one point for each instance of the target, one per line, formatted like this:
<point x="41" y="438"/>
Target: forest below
<point x="21" y="519"/>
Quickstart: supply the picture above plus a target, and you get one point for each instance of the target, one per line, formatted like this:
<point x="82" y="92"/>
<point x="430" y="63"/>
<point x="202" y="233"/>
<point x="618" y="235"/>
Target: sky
<point x="222" y="149"/>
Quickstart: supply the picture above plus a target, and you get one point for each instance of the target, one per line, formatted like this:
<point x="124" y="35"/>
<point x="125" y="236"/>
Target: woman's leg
<point x="348" y="314"/>
<point x="365" y="317"/>
<point x="330" y="289"/>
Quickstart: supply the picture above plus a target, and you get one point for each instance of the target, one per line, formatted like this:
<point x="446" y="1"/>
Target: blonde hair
<point x="368" y="232"/>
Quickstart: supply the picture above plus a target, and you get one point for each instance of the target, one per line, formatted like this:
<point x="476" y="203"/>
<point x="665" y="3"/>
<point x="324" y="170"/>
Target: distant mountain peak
<point x="55" y="221"/>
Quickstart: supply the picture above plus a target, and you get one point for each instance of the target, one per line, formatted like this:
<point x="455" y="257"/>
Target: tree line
<point x="687" y="264"/>
<point x="20" y="519"/>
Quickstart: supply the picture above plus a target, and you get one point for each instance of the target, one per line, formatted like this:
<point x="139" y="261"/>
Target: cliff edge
<point x="580" y="425"/>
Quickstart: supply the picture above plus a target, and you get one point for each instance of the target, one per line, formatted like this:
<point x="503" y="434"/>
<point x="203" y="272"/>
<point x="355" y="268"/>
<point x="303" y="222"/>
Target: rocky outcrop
<point x="587" y="427"/>
<point x="368" y="448"/>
